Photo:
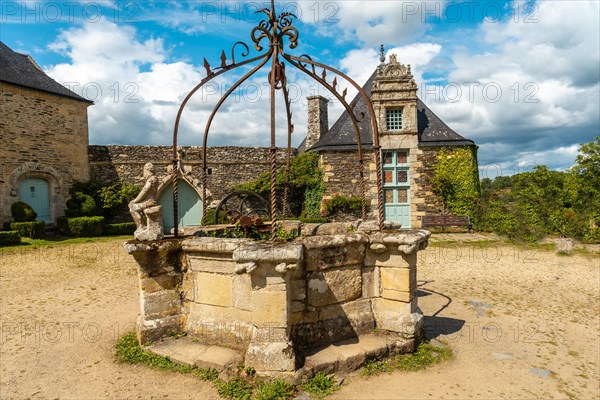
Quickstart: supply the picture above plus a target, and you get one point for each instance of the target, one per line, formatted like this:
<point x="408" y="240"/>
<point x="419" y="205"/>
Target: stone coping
<point x="213" y="245"/>
<point x="135" y="246"/>
<point x="248" y="250"/>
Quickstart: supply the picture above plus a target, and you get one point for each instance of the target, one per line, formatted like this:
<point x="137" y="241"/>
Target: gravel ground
<point x="522" y="322"/>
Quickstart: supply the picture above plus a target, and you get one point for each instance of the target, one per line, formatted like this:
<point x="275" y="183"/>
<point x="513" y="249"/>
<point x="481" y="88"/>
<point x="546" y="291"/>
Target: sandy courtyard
<point x="522" y="322"/>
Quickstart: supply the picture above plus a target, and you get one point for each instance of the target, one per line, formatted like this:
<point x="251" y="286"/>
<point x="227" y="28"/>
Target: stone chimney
<point x="318" y="121"/>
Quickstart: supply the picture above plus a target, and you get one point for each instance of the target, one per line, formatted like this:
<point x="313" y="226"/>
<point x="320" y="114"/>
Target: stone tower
<point x="395" y="91"/>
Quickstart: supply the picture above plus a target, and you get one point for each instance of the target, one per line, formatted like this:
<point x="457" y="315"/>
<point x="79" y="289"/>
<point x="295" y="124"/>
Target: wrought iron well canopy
<point x="273" y="31"/>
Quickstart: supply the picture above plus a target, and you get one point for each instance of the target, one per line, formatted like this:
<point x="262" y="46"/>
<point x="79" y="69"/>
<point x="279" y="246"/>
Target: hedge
<point x="32" y="230"/>
<point x="9" y="238"/>
<point x="127" y="228"/>
<point x="81" y="226"/>
<point x="22" y="212"/>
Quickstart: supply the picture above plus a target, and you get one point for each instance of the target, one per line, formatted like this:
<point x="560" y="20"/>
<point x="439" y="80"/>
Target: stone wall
<point x="273" y="301"/>
<point x="227" y="166"/>
<point x="341" y="176"/>
<point x="43" y="136"/>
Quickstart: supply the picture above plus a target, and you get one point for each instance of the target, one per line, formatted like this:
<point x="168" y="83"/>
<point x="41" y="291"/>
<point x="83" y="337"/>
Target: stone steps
<point x="348" y="355"/>
<point x="189" y="352"/>
<point x="339" y="358"/>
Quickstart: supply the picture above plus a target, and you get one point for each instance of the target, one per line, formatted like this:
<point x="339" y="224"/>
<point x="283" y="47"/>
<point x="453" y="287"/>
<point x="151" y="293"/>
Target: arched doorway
<point x="190" y="205"/>
<point x="35" y="192"/>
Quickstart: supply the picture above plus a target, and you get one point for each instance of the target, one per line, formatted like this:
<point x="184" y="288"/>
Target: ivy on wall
<point x="456" y="181"/>
<point x="306" y="185"/>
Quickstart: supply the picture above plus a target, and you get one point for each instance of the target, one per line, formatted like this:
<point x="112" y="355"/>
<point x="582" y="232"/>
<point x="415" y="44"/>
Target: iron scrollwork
<point x="274" y="30"/>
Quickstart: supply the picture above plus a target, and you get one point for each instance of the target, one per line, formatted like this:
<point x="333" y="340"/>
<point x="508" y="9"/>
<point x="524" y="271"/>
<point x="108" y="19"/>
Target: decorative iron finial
<point x="382" y="54"/>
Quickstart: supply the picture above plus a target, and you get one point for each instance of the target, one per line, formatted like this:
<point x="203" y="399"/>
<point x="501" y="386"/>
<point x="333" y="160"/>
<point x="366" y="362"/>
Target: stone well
<point x="284" y="309"/>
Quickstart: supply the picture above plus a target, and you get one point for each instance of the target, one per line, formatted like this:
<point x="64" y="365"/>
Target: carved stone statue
<point x="145" y="205"/>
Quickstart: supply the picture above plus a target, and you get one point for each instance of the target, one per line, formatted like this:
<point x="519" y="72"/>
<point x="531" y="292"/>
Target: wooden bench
<point x="444" y="220"/>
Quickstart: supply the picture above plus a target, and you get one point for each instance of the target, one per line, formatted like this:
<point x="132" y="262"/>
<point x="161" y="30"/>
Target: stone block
<point x="153" y="330"/>
<point x="188" y="287"/>
<point x="334" y="286"/>
<point x="392" y="315"/>
<point x="270" y="308"/>
<point x="298" y="289"/>
<point x="302" y="317"/>
<point x="278" y="356"/>
<point x="324" y="252"/>
<point x="214" y="289"/>
<point x="242" y="292"/>
<point x="218" y="325"/>
<point x="207" y="245"/>
<point x="297" y="306"/>
<point x="155" y="258"/>
<point x="390" y="258"/>
<point x="160" y="282"/>
<point x="370" y="282"/>
<point x="160" y="304"/>
<point x="399" y="279"/>
<point x="352" y="309"/>
<point x="269" y="253"/>
<point x="397" y="295"/>
<point x="220" y="263"/>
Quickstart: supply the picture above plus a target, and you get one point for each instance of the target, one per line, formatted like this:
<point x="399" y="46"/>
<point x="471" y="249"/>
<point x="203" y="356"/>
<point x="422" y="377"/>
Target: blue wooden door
<point x="34" y="191"/>
<point x="396" y="186"/>
<point x="190" y="206"/>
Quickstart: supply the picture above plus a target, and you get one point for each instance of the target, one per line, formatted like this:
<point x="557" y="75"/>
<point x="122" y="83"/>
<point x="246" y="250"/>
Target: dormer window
<point x="393" y="119"/>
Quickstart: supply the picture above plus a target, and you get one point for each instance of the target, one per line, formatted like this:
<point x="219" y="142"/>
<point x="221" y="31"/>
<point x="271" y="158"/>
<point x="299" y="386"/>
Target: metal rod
<point x="354" y="123"/>
<point x="174" y="175"/>
<point x="374" y="127"/>
<point x="210" y="120"/>
<point x="273" y="77"/>
<point x="290" y="129"/>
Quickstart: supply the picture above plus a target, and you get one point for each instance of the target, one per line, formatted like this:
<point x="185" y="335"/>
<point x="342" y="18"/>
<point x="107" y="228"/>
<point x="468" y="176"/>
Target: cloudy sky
<point x="519" y="78"/>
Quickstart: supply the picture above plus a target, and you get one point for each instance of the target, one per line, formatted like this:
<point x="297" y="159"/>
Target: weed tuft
<point x="234" y="390"/>
<point x="129" y="352"/>
<point x="275" y="390"/>
<point x="320" y="385"/>
<point x="426" y="355"/>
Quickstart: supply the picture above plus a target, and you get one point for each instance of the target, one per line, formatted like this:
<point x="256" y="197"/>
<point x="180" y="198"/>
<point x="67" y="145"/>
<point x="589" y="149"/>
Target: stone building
<point x="43" y="136"/>
<point x="411" y="136"/>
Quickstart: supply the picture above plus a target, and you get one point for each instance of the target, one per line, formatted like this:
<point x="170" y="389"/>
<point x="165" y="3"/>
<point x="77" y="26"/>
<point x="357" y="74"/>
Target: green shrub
<point x="80" y="204"/>
<point x="306" y="186"/>
<point x="32" y="230"/>
<point x="126" y="228"/>
<point x="340" y="203"/>
<point x="81" y="226"/>
<point x="9" y="238"/>
<point x="6" y="226"/>
<point x="22" y="212"/>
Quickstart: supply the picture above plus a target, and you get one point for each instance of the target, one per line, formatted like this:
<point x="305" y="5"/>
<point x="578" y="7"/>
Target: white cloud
<point x="373" y="22"/>
<point x="137" y="92"/>
<point x="549" y="80"/>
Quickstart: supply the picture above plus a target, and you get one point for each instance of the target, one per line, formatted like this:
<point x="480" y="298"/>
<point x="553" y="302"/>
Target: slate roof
<point x="20" y="69"/>
<point x="432" y="130"/>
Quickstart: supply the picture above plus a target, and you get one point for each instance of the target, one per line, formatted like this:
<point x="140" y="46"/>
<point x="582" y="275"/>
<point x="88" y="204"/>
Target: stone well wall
<point x="272" y="301"/>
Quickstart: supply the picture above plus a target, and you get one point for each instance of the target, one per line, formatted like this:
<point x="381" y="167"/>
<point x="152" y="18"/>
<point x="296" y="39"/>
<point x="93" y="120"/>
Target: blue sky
<point x="519" y="78"/>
